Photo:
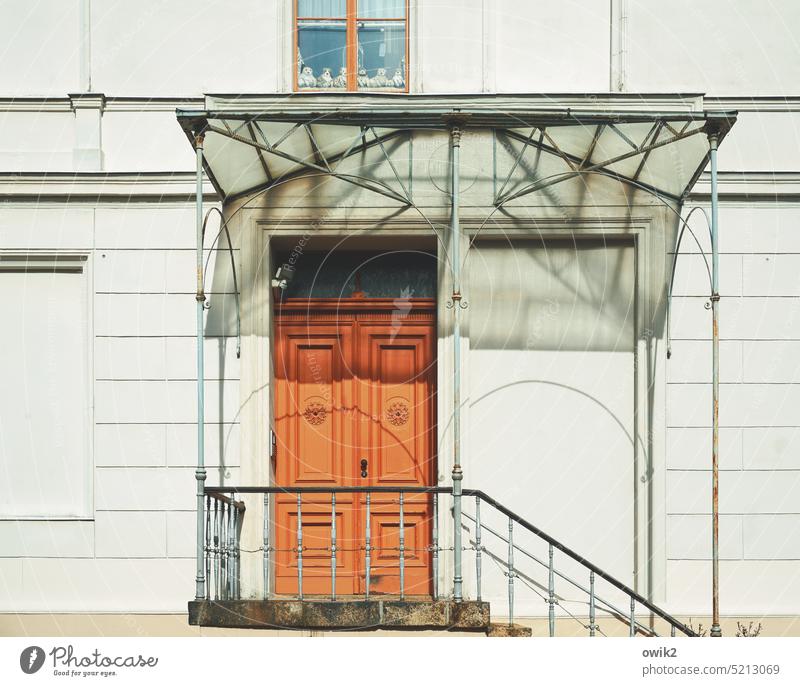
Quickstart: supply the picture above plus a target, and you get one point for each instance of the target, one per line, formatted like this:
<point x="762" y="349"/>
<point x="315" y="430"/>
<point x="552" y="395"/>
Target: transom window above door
<point x="351" y="45"/>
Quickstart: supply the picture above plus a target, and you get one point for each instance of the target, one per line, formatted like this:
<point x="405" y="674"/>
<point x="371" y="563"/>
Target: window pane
<point x="337" y="274"/>
<point x="322" y="8"/>
<point x="381" y="9"/>
<point x="381" y="54"/>
<point x="321" y="57"/>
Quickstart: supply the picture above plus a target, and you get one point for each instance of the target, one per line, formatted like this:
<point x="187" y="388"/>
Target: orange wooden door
<point x="354" y="381"/>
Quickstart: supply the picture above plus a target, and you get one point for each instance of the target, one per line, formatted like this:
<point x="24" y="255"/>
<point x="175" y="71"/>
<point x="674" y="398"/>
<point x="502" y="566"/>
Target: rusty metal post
<point x="713" y="140"/>
<point x="456" y="304"/>
<point x="200" y="298"/>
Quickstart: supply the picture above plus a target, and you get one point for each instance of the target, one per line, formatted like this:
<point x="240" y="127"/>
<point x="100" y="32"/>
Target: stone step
<point x="506" y="630"/>
<point x="342" y="615"/>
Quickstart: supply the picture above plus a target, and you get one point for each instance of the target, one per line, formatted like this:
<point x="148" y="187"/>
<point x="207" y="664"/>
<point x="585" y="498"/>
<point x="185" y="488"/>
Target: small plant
<point x="748" y="631"/>
<point x="700" y="631"/>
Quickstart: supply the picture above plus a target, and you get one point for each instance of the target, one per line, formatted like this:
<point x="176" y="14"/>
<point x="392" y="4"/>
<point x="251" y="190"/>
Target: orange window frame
<point x="351" y="42"/>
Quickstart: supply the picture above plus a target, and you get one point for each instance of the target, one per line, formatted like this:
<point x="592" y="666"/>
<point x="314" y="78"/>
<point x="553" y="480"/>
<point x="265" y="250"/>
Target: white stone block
<point x="129" y="445"/>
<point x="130" y="271"/>
<point x="153" y="402"/>
<point x="747" y="587"/>
<point x="690" y="448"/>
<point x="222" y="402"/>
<point x="692" y="276"/>
<point x="771" y="275"/>
<point x="772" y="537"/>
<point x="771" y="448"/>
<point x="220" y="361"/>
<point x="10" y="583"/>
<point x="128" y="148"/>
<point x="130" y="534"/>
<point x="132" y="314"/>
<point x="218" y="274"/>
<point x="135" y="358"/>
<point x="104" y="585"/>
<point x="691" y="361"/>
<point x="740" y="318"/>
<point x="181" y="534"/>
<point x="146" y="226"/>
<point x="142" y="488"/>
<point x="48" y="228"/>
<point x="123" y="488"/>
<point x="748" y="228"/>
<point x="222" y="445"/>
<point x="689" y="537"/>
<point x="739" y="404"/>
<point x="771" y="362"/>
<point x="47" y="538"/>
<point x="760" y="141"/>
<point x="750" y="492"/>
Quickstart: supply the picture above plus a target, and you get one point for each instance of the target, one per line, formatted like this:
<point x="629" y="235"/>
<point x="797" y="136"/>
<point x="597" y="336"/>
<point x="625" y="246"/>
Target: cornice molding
<point x="744" y="184"/>
<point x="749" y="185"/>
<point x="87" y="185"/>
<point x="764" y="103"/>
<point x="692" y="101"/>
<point x="109" y="104"/>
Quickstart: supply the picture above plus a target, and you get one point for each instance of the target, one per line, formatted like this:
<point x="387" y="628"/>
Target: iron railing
<point x="223" y="552"/>
<point x="224" y="516"/>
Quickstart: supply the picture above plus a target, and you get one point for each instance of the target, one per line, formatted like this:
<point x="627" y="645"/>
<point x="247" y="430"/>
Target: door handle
<point x="364" y="468"/>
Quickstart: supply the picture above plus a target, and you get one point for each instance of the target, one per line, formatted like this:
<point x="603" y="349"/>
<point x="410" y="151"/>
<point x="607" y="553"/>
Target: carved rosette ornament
<point x="315" y="413"/>
<point x="397" y="413"/>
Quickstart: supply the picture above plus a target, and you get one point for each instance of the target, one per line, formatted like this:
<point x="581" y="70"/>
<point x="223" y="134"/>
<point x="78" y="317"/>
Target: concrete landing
<point x="341" y="615"/>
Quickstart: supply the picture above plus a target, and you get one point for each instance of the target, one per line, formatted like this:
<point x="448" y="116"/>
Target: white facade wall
<point x="110" y="178"/>
<point x="139" y="534"/>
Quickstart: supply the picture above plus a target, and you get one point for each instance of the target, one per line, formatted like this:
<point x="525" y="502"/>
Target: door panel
<point x="314" y="434"/>
<point x="353" y="384"/>
<point x="396" y="390"/>
<point x="313" y="385"/>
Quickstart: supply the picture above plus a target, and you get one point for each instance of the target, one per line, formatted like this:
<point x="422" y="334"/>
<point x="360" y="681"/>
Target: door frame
<point x="653" y="232"/>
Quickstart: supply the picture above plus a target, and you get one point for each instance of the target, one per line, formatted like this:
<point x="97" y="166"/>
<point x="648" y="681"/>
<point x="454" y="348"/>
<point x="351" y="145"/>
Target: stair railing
<point x="593" y="573"/>
<point x="224" y="515"/>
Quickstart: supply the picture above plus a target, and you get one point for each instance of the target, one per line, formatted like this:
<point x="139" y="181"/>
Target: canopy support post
<point x="713" y="140"/>
<point x="457" y="305"/>
<point x="200" y="472"/>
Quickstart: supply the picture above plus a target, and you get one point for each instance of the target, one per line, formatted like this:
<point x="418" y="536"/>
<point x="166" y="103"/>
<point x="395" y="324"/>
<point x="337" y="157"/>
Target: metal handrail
<point x="613" y="609"/>
<point x="221" y="491"/>
<point x="582" y="560"/>
<point x="328" y="489"/>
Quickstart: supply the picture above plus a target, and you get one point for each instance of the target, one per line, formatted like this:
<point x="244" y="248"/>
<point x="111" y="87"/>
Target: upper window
<point x="351" y="45"/>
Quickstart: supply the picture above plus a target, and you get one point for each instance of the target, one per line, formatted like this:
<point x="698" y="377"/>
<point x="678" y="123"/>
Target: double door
<point x="354" y="406"/>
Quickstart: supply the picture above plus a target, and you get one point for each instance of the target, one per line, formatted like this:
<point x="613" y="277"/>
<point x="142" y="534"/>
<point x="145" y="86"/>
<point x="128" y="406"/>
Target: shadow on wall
<point x="552" y="389"/>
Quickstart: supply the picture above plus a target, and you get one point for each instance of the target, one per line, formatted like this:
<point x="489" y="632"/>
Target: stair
<point x="509" y="631"/>
<point x="608" y="600"/>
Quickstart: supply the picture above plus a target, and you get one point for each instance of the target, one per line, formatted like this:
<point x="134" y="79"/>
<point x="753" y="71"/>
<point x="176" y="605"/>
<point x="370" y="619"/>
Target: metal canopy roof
<point x="253" y="143"/>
